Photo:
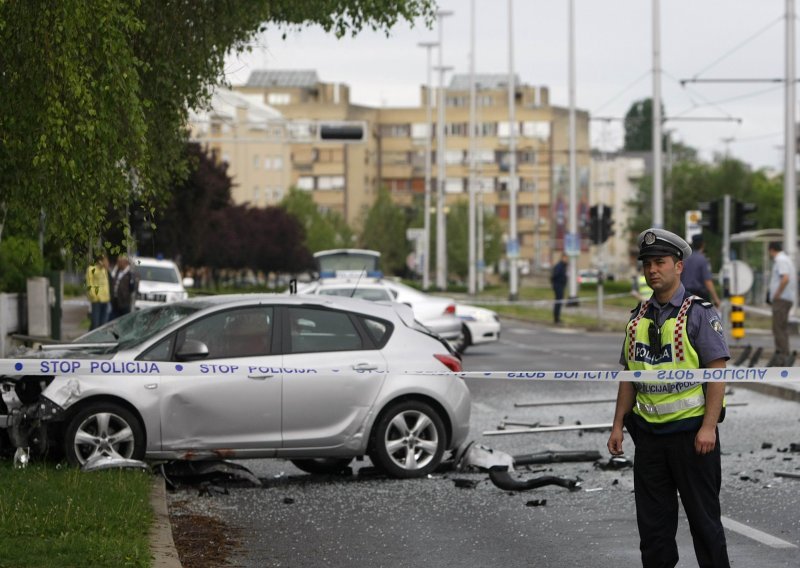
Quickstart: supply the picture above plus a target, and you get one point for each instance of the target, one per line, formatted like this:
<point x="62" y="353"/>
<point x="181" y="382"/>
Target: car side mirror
<point x="192" y="350"/>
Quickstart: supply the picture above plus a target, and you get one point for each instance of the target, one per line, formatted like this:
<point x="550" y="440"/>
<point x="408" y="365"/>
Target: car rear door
<point x="332" y="375"/>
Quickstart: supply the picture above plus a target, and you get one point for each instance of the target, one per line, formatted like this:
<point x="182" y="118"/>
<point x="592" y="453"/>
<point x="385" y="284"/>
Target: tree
<point x="96" y="93"/>
<point x="639" y="126"/>
<point x="458" y="239"/>
<point x="384" y="230"/>
<point x="692" y="182"/>
<point x="323" y="230"/>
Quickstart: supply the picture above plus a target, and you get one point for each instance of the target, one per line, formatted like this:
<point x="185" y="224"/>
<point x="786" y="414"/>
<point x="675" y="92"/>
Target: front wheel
<point x="103" y="429"/>
<point x="409" y="440"/>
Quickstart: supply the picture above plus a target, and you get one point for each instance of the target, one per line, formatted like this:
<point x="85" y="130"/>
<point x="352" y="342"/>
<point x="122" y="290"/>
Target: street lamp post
<point x="513" y="248"/>
<point x="471" y="283"/>
<point x="441" y="228"/>
<point x="426" y="265"/>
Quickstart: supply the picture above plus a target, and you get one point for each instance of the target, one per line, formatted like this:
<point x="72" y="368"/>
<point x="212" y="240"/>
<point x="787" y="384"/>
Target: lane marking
<point x="755" y="534"/>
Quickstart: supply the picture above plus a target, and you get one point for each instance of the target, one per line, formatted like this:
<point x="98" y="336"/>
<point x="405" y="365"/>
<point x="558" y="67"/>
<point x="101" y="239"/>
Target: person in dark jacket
<point x="558" y="280"/>
<point x="123" y="288"/>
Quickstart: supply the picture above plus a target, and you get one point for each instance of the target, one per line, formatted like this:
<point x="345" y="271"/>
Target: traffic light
<point x="710" y="220"/>
<point x="600" y="224"/>
<point x="741" y="222"/>
<point x="606" y="223"/>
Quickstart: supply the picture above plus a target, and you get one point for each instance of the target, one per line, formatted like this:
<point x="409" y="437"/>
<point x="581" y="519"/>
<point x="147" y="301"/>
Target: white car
<point x="435" y="313"/>
<point x="313" y="379"/>
<point x="480" y="325"/>
<point x="159" y="282"/>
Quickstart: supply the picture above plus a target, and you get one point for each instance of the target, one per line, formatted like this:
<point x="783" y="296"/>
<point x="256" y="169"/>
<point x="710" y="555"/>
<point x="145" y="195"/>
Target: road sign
<point x="693" y="226"/>
<point x="739" y="277"/>
<point x="572" y="244"/>
<point x="512" y="248"/>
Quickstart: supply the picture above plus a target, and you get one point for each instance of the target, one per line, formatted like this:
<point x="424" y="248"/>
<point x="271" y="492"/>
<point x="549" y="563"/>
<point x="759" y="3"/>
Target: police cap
<point x="658" y="242"/>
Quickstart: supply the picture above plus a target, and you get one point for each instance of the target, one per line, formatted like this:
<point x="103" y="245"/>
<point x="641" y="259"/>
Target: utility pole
<point x="790" y="165"/>
<point x="471" y="281"/>
<point x="658" y="190"/>
<point x="426" y="265"/>
<point x="573" y="166"/>
<point x="441" y="226"/>
<point x="513" y="244"/>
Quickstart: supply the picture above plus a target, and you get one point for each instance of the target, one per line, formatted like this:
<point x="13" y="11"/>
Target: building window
<point x="330" y="182"/>
<point x="395" y="158"/>
<point x="487" y="129"/>
<point x="306" y="183"/>
<point x="454" y="185"/>
<point x="419" y="131"/>
<point x="527" y="157"/>
<point x="527" y="184"/>
<point x="457" y="101"/>
<point x="456" y="129"/>
<point x="256" y="195"/>
<point x="278" y="99"/>
<point x="256" y="161"/>
<point x="395" y="130"/>
<point x="454" y="156"/>
<point x="536" y="129"/>
<point x="484" y="156"/>
<point x="277" y="194"/>
<point x="277" y="162"/>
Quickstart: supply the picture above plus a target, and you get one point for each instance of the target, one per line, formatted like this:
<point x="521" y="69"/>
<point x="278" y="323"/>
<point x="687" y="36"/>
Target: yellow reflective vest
<point x="668" y="400"/>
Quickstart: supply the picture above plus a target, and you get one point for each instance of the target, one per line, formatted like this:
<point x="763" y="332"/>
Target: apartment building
<point x="251" y="138"/>
<point x="344" y="175"/>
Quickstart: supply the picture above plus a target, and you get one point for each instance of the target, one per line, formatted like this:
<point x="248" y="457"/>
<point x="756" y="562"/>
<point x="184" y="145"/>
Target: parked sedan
<point x="318" y="380"/>
<point x="480" y="325"/>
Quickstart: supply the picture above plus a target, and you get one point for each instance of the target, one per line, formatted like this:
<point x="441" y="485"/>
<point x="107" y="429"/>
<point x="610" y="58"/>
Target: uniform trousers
<point x="665" y="466"/>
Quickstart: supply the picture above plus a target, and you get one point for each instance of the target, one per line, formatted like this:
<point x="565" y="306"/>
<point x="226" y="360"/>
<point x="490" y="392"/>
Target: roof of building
<point x="223" y="105"/>
<point x="282" y="78"/>
<point x="485" y="81"/>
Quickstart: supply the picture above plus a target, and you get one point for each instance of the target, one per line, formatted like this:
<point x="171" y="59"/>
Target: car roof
<point x="378" y="309"/>
<point x="148" y="261"/>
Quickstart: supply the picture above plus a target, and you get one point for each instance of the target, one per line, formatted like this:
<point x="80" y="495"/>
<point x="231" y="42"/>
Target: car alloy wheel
<point x="409" y="440"/>
<point x="103" y="429"/>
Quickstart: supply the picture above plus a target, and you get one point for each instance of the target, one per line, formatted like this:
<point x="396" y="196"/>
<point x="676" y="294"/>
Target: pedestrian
<point x="639" y="288"/>
<point x="558" y="280"/>
<point x="696" y="276"/>
<point x="673" y="425"/>
<point x="98" y="291"/>
<point x="782" y="294"/>
<point x="123" y="288"/>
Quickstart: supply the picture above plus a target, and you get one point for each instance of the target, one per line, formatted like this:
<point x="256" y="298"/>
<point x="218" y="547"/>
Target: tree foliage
<point x="639" y="126"/>
<point x="384" y="230"/>
<point x="458" y="239"/>
<point x="690" y="183"/>
<point x="323" y="230"/>
<point x="95" y="95"/>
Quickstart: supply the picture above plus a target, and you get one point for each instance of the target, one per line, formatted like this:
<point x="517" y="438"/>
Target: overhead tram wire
<point x="623" y="91"/>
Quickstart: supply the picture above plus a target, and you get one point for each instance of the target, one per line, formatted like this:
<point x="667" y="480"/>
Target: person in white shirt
<point x="782" y="294"/>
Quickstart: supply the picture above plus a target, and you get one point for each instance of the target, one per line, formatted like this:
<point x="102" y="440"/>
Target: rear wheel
<point x="466" y="339"/>
<point x="409" y="440"/>
<point x="323" y="465"/>
<point x="103" y="429"/>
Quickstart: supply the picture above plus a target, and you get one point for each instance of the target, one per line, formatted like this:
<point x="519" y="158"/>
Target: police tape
<point x="95" y="367"/>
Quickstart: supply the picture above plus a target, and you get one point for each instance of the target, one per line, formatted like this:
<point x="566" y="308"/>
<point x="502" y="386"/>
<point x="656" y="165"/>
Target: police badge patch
<point x="716" y="325"/>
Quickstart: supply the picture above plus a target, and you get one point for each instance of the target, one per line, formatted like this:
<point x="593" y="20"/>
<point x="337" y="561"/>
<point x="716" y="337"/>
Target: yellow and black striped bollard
<point x="737" y="317"/>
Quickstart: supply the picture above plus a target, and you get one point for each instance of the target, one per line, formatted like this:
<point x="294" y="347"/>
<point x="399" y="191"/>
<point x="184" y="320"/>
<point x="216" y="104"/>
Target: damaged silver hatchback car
<point x="317" y="380"/>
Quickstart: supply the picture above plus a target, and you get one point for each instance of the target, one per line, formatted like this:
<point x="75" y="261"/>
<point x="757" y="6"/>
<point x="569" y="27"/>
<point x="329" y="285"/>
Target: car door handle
<point x="259" y="377"/>
<point x="365" y="367"/>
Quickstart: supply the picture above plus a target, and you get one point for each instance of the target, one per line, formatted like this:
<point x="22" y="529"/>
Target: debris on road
<point x="198" y="472"/>
<point x="787" y="474"/>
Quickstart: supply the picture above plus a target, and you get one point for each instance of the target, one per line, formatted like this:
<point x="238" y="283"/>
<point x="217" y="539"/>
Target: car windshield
<point x="134" y="328"/>
<point x="371" y="294"/>
<point x="157" y="274"/>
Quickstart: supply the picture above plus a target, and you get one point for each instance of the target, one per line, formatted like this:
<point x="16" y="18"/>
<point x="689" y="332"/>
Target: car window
<point x="136" y="327"/>
<point x="315" y="330"/>
<point x="371" y="294"/>
<point x="378" y="330"/>
<point x="242" y="332"/>
<point x="157" y="274"/>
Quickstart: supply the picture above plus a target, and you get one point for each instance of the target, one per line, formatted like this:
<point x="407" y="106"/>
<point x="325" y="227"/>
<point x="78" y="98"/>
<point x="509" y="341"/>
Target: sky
<point x="732" y="39"/>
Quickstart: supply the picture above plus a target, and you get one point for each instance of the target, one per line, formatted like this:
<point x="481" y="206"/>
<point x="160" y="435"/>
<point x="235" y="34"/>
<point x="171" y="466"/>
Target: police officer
<point x="673" y="424"/>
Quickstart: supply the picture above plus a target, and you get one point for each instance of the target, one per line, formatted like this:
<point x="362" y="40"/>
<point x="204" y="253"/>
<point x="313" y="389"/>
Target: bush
<point x="20" y="259"/>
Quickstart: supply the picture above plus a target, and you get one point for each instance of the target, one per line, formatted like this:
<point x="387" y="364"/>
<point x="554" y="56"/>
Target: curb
<point x="772" y="390"/>
<point x="162" y="547"/>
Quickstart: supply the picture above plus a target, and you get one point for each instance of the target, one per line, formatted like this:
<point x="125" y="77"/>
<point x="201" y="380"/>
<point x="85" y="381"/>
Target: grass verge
<point x="51" y="516"/>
